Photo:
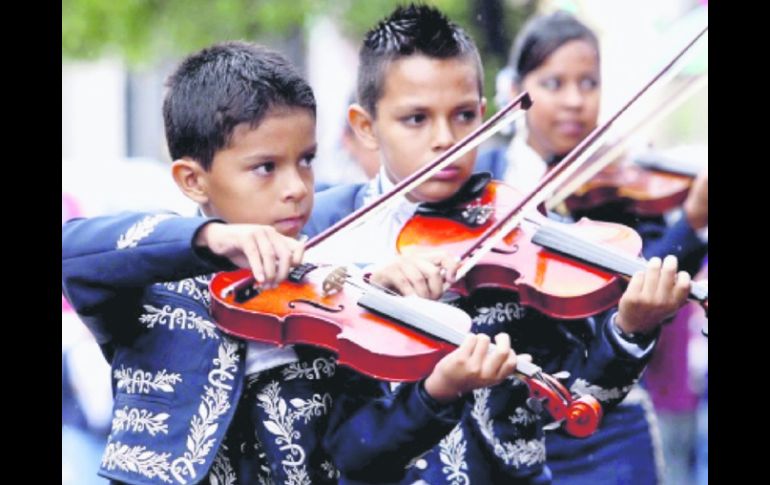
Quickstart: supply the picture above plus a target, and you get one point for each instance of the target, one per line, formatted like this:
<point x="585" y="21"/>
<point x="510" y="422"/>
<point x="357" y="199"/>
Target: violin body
<point x="555" y="285"/>
<point x="640" y="191"/>
<point x="299" y="312"/>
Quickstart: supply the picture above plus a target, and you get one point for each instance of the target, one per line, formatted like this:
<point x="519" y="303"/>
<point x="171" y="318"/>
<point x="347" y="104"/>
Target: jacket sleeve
<point x="679" y="239"/>
<point x="107" y="261"/>
<point x="602" y="363"/>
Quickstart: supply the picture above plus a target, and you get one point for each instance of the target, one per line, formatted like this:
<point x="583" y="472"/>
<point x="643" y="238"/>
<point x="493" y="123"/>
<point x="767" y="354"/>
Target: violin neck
<point x="566" y="242"/>
<point x="436" y="319"/>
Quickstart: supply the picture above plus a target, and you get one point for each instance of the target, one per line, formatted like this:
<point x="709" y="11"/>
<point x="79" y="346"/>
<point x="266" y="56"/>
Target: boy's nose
<point x="294" y="186"/>
<point x="443" y="136"/>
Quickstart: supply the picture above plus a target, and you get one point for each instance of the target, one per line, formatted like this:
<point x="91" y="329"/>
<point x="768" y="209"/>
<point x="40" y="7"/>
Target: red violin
<point x="566" y="271"/>
<point x="377" y="333"/>
<point x="326" y="307"/>
<point x="557" y="285"/>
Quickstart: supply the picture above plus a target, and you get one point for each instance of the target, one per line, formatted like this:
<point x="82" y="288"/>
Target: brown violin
<point x="637" y="190"/>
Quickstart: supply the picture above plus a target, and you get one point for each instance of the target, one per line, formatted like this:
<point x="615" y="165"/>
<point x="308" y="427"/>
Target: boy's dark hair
<point x="410" y="30"/>
<point x="221" y="86"/>
<point x="541" y="36"/>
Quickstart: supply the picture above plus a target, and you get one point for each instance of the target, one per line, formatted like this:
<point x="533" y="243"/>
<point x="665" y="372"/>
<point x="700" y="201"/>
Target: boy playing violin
<point x="419" y="92"/>
<point x="191" y="403"/>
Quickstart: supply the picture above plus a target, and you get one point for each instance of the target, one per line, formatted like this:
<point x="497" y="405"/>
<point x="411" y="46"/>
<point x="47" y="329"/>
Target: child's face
<point x="264" y="176"/>
<point x="565" y="93"/>
<point x="427" y="105"/>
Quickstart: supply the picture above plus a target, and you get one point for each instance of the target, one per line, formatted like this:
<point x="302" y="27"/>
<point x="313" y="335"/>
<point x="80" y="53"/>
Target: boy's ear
<point x="191" y="179"/>
<point x="363" y="126"/>
<point x="483" y="106"/>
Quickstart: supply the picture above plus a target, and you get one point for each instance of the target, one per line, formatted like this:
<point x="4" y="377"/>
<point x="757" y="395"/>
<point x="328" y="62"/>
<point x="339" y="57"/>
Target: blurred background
<point x="116" y="56"/>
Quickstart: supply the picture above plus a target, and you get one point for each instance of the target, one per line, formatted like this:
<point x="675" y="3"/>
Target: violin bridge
<point x="334" y="281"/>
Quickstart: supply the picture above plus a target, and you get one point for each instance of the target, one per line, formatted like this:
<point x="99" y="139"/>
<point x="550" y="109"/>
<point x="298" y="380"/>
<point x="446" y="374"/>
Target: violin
<point x="373" y="331"/>
<point x="566" y="271"/>
<point x="558" y="286"/>
<point x="637" y="190"/>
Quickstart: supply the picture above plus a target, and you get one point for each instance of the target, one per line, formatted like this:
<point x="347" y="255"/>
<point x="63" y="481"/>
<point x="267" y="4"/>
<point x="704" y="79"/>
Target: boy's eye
<point x="413" y="120"/>
<point x="264" y="168"/>
<point x="551" y="83"/>
<point x="307" y="160"/>
<point x="467" y="115"/>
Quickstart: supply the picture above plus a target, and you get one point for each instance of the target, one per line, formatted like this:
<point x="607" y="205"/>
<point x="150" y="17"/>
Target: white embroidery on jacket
<point x="523" y="416"/>
<point x="281" y="424"/>
<point x="136" y="459"/>
<point x="178" y="317"/>
<point x="140" y="230"/>
<point x="141" y="382"/>
<point x="139" y="420"/>
<point x="521" y="452"/>
<point x="321" y="366"/>
<point x="191" y="287"/>
<point x="222" y="472"/>
<point x="582" y="387"/>
<point x="215" y="402"/>
<point x="500" y="313"/>
<point x="452" y="454"/>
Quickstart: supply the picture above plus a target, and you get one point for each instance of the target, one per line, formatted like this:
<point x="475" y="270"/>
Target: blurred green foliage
<point x="146" y="31"/>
